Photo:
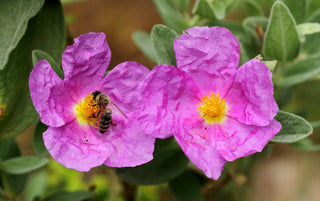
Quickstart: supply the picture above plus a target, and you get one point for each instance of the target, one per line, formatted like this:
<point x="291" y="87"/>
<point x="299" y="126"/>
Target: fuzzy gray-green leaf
<point x="46" y="31"/>
<point x="297" y="8"/>
<point x="168" y="163"/>
<point x="254" y="8"/>
<point x="69" y="196"/>
<point x="38" y="144"/>
<point x="23" y="164"/>
<point x="143" y="41"/>
<point x="254" y="24"/>
<point x="281" y="40"/>
<point x="162" y="38"/>
<point x="210" y="9"/>
<point x="294" y="128"/>
<point x="38" y="55"/>
<point x="14" y="17"/>
<point x="307" y="29"/>
<point x="301" y="71"/>
<point x="171" y="15"/>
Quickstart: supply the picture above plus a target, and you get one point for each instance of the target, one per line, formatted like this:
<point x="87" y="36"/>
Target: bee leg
<point x="112" y="123"/>
<point x="95" y="104"/>
<point x="96" y="115"/>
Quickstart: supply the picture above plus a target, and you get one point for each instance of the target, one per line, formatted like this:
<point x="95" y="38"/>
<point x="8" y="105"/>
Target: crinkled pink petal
<point x="50" y="96"/>
<point x="76" y="147"/>
<point x="82" y="147"/>
<point x="234" y="139"/>
<point x="210" y="55"/>
<point x="122" y="85"/>
<point x="200" y="47"/>
<point x="208" y="83"/>
<point x="193" y="140"/>
<point x="85" y="63"/>
<point x="89" y="55"/>
<point x="250" y="100"/>
<point x="167" y="94"/>
<point x="132" y="146"/>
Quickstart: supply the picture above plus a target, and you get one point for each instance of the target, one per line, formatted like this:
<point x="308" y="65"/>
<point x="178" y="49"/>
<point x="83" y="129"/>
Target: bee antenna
<point x="119" y="110"/>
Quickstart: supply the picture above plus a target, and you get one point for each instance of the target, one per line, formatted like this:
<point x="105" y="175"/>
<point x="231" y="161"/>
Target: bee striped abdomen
<point x="105" y="120"/>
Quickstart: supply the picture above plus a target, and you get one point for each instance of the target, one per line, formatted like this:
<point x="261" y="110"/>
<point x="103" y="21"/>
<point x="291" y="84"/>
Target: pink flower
<point x="69" y="109"/>
<point x="216" y="111"/>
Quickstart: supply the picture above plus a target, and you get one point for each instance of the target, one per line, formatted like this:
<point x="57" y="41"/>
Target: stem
<point x="215" y="186"/>
<point x="315" y="124"/>
<point x="129" y="191"/>
<point x="70" y="36"/>
<point x="6" y="192"/>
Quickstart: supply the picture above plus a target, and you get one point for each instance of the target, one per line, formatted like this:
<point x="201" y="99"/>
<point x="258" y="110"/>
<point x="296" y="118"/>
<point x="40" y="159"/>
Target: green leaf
<point x="8" y="149"/>
<point x="210" y="9"/>
<point x="162" y="38"/>
<point x="306" y="145"/>
<point x="181" y="5"/>
<point x="186" y="187"/>
<point x="252" y="25"/>
<point x="294" y="128"/>
<point x="307" y="28"/>
<point x="11" y="183"/>
<point x="311" y="44"/>
<point x="313" y="6"/>
<point x="315" y="124"/>
<point x="233" y="4"/>
<point x="284" y="96"/>
<point x="36" y="185"/>
<point x="21" y="165"/>
<point x="38" y="55"/>
<point x="69" y="196"/>
<point x="271" y="64"/>
<point x="168" y="162"/>
<point x="297" y="8"/>
<point x="254" y="8"/>
<point x="300" y="71"/>
<point x="281" y="40"/>
<point x="14" y="184"/>
<point x="14" y="17"/>
<point x="143" y="42"/>
<point x="305" y="100"/>
<point x="315" y="17"/>
<point x="49" y="30"/>
<point x="38" y="144"/>
<point x="171" y="16"/>
<point x="46" y="31"/>
<point x="244" y="57"/>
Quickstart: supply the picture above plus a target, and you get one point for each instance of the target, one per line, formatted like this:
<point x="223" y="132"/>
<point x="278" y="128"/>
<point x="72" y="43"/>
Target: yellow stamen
<point x="87" y="111"/>
<point x="212" y="109"/>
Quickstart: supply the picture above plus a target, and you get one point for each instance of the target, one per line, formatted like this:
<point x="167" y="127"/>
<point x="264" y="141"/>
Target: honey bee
<point x="105" y="113"/>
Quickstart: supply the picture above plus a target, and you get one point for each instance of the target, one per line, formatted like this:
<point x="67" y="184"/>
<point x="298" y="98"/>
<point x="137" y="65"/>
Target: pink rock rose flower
<point x="216" y="111"/>
<point x="68" y="108"/>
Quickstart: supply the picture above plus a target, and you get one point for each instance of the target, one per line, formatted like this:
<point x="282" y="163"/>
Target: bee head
<point x="100" y="98"/>
<point x="95" y="94"/>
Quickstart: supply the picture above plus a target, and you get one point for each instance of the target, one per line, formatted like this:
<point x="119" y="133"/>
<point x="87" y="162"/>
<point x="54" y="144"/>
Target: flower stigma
<point x="87" y="111"/>
<point x="212" y="108"/>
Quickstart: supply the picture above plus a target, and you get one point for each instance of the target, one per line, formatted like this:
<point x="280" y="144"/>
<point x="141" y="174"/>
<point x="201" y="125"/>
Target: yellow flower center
<point x="87" y="111"/>
<point x="212" y="108"/>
